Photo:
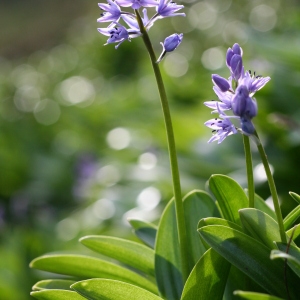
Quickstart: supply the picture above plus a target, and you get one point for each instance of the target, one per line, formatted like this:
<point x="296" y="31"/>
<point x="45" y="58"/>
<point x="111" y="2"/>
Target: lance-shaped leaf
<point x="293" y="256"/>
<point x="251" y="257"/>
<point x="197" y="204"/>
<point x="208" y="278"/>
<point x="130" y="253"/>
<point x="230" y="196"/>
<point x="294" y="232"/>
<point x="56" y="295"/>
<point x="291" y="218"/>
<point x="89" y="267"/>
<point x="95" y="289"/>
<point x="295" y="196"/>
<point x="218" y="221"/>
<point x="260" y="203"/>
<point x="53" y="284"/>
<point x="145" y="231"/>
<point x="254" y="296"/>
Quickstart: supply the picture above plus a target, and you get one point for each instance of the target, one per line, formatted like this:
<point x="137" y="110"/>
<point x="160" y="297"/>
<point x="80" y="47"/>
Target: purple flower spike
<point x="170" y="44"/>
<point x="112" y="12"/>
<point x="221" y="82"/>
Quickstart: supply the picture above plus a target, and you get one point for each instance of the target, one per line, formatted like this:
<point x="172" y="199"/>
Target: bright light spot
<point x="76" y="90"/>
<point x="149" y="198"/>
<point x="26" y="98"/>
<point x="270" y="203"/>
<point x="260" y="174"/>
<point x="263" y="18"/>
<point x="104" y="209"/>
<point x="147" y="161"/>
<point x="213" y="58"/>
<point x="118" y="138"/>
<point x="47" y="112"/>
<point x="202" y="16"/>
<point x="67" y="229"/>
<point x="235" y="32"/>
<point x="176" y="65"/>
<point x="108" y="175"/>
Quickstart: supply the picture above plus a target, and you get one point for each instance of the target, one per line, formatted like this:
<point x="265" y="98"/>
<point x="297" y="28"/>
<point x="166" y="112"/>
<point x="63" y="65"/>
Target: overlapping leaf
<point x="57" y="284"/>
<point x="56" y="295"/>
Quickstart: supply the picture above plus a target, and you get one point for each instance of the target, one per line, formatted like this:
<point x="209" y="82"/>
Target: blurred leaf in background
<point x="82" y="138"/>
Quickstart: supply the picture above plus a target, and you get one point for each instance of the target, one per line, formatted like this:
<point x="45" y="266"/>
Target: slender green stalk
<point x="272" y="189"/>
<point x="249" y="167"/>
<point x="181" y="226"/>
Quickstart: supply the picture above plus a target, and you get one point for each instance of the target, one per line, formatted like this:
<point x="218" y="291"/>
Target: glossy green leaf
<point x="130" y="253"/>
<point x="296" y="230"/>
<point x="291" y="218"/>
<point x="145" y="231"/>
<point x="251" y="257"/>
<point x="293" y="256"/>
<point x="260" y="226"/>
<point x="208" y="278"/>
<point x="167" y="257"/>
<point x="254" y="296"/>
<point x="261" y="204"/>
<point x="97" y="289"/>
<point x="218" y="221"/>
<point x="89" y="267"/>
<point x="230" y="196"/>
<point x="56" y="295"/>
<point x="50" y="284"/>
<point x="295" y="196"/>
<point x="197" y="205"/>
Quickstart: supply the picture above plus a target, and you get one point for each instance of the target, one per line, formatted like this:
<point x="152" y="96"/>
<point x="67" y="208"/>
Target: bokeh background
<point x="82" y="138"/>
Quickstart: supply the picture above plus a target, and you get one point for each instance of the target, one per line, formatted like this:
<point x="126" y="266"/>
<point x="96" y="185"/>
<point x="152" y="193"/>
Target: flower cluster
<point x="118" y="33"/>
<point x="235" y="95"/>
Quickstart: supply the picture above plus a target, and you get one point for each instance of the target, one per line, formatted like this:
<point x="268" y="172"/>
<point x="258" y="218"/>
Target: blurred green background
<point x="82" y="138"/>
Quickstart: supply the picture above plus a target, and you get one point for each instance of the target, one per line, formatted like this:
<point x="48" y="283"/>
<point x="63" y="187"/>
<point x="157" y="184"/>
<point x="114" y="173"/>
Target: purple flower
<point x="253" y="82"/>
<point x="167" y="8"/>
<point x="117" y="34"/>
<point x="220" y="82"/>
<point x="136" y="4"/>
<point x="242" y="104"/>
<point x="170" y="44"/>
<point x="221" y="129"/>
<point x="247" y="126"/>
<point x="112" y="12"/>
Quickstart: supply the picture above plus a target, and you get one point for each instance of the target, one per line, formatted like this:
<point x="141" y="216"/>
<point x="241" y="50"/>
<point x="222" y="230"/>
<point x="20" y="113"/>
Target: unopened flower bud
<point x="221" y="82"/>
<point x="236" y="66"/>
<point x="170" y="44"/>
<point x="242" y="104"/>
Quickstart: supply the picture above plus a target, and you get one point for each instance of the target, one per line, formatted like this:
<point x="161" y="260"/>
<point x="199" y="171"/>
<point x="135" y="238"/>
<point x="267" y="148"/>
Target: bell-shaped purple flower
<point x="136" y="4"/>
<point x="167" y="8"/>
<point x="242" y="104"/>
<point x="220" y="82"/>
<point x="254" y="83"/>
<point x="170" y="44"/>
<point x="247" y="126"/>
<point x="112" y="12"/>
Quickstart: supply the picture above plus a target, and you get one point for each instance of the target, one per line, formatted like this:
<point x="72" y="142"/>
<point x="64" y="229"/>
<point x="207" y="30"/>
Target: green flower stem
<point x="272" y="188"/>
<point x="181" y="226"/>
<point x="249" y="167"/>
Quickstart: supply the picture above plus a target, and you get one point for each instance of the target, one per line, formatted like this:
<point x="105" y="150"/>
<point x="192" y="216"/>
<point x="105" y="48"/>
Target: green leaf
<point x="295" y="196"/>
<point x="197" y="205"/>
<point x="218" y="221"/>
<point x="260" y="226"/>
<point x="208" y="278"/>
<point x="230" y="196"/>
<point x="130" y="253"/>
<point x="296" y="233"/>
<point x="293" y="256"/>
<point x="254" y="296"/>
<point x="145" y="231"/>
<point x="56" y="295"/>
<point x="56" y="284"/>
<point x="251" y="257"/>
<point x="97" y="289"/>
<point x="167" y="257"/>
<point x="291" y="218"/>
<point x="88" y="267"/>
<point x="261" y="204"/>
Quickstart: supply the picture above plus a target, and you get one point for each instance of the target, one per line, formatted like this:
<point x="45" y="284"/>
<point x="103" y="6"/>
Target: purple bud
<point x="236" y="65"/>
<point x="229" y="55"/>
<point x="237" y="49"/>
<point x="243" y="105"/>
<point x="172" y="42"/>
<point x="247" y="126"/>
<point x="221" y="82"/>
